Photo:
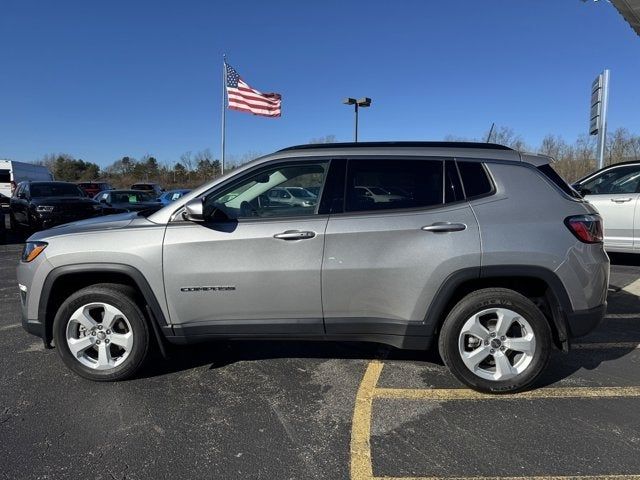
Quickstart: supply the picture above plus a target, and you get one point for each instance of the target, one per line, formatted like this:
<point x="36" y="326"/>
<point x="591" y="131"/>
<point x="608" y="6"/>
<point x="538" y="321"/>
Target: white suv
<point x="614" y="191"/>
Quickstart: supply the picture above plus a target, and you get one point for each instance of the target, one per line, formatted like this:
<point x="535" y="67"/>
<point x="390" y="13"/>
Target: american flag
<point x="246" y="99"/>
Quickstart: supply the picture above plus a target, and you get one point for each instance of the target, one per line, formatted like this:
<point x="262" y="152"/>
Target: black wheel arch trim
<point x="133" y="273"/>
<point x="447" y="291"/>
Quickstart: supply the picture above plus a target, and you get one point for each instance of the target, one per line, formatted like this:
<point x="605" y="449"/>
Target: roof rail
<point x="475" y="145"/>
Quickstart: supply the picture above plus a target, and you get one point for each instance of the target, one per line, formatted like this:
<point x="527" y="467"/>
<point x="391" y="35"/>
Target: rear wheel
<point x="101" y="334"/>
<point x="496" y="340"/>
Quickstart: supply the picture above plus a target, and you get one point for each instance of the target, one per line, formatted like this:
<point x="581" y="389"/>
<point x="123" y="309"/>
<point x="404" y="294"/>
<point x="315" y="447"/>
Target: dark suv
<point x="41" y="205"/>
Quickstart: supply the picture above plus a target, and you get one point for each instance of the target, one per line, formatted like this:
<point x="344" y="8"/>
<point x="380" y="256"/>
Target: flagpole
<point x="224" y="108"/>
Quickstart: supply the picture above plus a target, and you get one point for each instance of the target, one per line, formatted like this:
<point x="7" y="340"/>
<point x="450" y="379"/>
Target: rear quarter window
<point x="548" y="171"/>
<point x="475" y="179"/>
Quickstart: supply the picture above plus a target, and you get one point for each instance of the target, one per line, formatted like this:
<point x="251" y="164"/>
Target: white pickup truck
<point x="12" y="173"/>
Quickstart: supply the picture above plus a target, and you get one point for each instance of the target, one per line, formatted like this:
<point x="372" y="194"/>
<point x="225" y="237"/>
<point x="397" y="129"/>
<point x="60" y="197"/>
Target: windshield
<point x="55" y="190"/>
<point x="130" y="197"/>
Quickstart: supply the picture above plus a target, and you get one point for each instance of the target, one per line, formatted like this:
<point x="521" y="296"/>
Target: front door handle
<point x="621" y="200"/>
<point x="294" y="235"/>
<point x="441" y="227"/>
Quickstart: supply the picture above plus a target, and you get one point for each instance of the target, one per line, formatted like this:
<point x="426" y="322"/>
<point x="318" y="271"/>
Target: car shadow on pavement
<point x="629" y="259"/>
<point x="8" y="236"/>
<point x="222" y="353"/>
<point x="618" y="335"/>
<point x="621" y="329"/>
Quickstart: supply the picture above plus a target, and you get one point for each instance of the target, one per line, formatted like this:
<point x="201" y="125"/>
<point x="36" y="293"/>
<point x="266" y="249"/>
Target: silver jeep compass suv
<point x="482" y="249"/>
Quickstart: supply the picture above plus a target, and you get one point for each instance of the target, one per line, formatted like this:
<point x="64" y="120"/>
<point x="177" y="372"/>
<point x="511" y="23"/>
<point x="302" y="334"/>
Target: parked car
<point x="93" y="188"/>
<point x="41" y="205"/>
<point x="118" y="201"/>
<point x="155" y="189"/>
<point x="291" y="197"/>
<point x="12" y="173"/>
<point x="614" y="191"/>
<point x="490" y="256"/>
<point x="377" y="194"/>
<point x="171" y="196"/>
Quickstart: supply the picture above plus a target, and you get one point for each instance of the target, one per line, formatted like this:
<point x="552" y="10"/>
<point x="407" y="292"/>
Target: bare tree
<point x="554" y="146"/>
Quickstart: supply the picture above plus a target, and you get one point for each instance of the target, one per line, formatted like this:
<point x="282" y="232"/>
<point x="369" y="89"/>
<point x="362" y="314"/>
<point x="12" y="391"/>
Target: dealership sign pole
<point x="598" y="117"/>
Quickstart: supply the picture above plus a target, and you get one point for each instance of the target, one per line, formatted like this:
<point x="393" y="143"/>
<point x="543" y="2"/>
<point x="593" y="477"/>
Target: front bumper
<point x="34" y="327"/>
<point x="581" y="322"/>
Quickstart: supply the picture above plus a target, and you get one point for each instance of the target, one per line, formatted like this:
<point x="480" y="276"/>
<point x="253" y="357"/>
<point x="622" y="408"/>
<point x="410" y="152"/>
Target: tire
<point x="487" y="356"/>
<point x="107" y="331"/>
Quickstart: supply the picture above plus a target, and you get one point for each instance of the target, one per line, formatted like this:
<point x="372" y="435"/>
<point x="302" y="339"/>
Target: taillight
<point x="586" y="228"/>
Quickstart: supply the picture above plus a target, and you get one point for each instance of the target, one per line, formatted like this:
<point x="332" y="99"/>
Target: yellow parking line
<point x="633" y="288"/>
<point x="361" y="467"/>
<point x="361" y="463"/>
<point x="541" y="477"/>
<point x="465" y="394"/>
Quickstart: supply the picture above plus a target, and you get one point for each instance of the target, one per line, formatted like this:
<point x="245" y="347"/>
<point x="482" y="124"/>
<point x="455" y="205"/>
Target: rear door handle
<point x="621" y="200"/>
<point x="441" y="227"/>
<point x="294" y="235"/>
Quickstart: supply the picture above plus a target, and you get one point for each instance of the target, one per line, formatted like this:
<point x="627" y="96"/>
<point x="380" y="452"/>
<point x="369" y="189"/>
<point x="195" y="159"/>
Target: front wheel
<point x="101" y="334"/>
<point x="496" y="341"/>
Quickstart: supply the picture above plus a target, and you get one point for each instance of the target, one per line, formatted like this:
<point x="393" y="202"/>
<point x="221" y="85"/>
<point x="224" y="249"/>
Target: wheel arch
<point x="66" y="279"/>
<point x="539" y="284"/>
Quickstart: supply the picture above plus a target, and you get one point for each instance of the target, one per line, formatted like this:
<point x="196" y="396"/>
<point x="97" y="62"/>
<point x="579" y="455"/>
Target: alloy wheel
<point x="99" y="336"/>
<point x="497" y="344"/>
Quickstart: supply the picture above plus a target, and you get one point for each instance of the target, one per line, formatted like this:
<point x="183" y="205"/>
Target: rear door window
<point x="5" y="176"/>
<point x="386" y="184"/>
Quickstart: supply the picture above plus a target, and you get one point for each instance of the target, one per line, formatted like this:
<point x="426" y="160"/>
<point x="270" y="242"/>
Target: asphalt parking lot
<point x="299" y="410"/>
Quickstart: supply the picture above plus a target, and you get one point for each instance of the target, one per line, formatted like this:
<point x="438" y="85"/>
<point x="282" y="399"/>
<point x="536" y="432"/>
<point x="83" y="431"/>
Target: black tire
<point x="486" y="299"/>
<point x="123" y="298"/>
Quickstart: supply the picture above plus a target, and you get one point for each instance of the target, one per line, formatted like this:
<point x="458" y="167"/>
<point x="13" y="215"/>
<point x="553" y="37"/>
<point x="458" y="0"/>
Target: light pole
<point x="362" y="102"/>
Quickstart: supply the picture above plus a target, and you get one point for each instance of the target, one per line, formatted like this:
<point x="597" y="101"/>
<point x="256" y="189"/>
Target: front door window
<point x="285" y="191"/>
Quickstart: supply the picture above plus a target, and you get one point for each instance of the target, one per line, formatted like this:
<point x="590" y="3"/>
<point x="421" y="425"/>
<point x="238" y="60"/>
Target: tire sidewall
<point x="477" y="302"/>
<point x="127" y="307"/>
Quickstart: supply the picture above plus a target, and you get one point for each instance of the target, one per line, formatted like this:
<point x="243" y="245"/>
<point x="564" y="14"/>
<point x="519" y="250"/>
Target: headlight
<point x="44" y="208"/>
<point x="97" y="207"/>
<point x="32" y="250"/>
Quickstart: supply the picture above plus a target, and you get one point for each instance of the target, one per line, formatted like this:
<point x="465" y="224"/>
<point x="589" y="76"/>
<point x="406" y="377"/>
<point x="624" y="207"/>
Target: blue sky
<point x="100" y="80"/>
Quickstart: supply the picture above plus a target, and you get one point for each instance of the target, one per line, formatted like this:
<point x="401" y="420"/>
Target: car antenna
<point x="490" y="131"/>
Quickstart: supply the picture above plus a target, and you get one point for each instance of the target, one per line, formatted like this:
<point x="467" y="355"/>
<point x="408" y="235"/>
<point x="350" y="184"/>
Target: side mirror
<point x="193" y="210"/>
<point x="103" y="200"/>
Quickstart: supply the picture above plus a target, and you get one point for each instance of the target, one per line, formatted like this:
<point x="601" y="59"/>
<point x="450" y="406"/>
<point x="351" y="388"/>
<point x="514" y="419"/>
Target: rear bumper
<point x="581" y="322"/>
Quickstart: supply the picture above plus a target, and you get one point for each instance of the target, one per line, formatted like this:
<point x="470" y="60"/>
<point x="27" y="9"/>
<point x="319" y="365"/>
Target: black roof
<point x="47" y="182"/>
<point x="475" y="145"/>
